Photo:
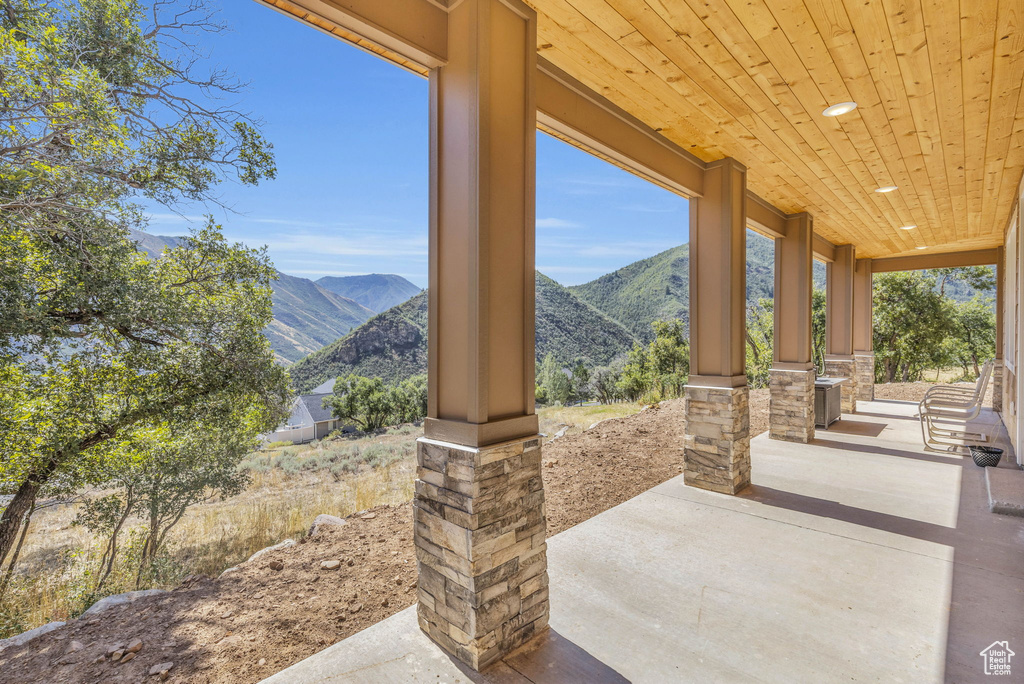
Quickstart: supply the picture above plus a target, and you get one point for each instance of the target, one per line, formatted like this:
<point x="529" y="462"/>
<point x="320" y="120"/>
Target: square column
<point x="791" y="378"/>
<point x="839" y="358"/>
<point x="479" y="504"/>
<point x="480" y="547"/>
<point x="998" y="366"/>
<point x="863" y="330"/>
<point x="717" y="429"/>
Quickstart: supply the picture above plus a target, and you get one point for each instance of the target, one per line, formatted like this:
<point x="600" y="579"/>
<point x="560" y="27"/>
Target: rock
<point x="116" y="655"/>
<point x="128" y="657"/>
<point x="330" y="564"/>
<point x="350" y="563"/>
<point x="276" y="565"/>
<point x="324" y="520"/>
<point x="384" y="603"/>
<point x="164" y="676"/>
<point x="160" y="668"/>
<point x="262" y="662"/>
<point x="561" y="433"/>
<point x="134" y="646"/>
<point x="368" y="516"/>
<point x="114" y="647"/>
<point x="286" y="543"/>
<point x="31" y="634"/>
<point x="231" y="640"/>
<point x="398" y="581"/>
<point x="225" y="615"/>
<point x="75" y="646"/>
<point x="120" y="599"/>
<point x="233" y="568"/>
<point x="355" y="608"/>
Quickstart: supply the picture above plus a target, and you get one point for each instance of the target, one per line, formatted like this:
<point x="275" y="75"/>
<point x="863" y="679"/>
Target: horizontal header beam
<point x="978" y="257"/>
<point x="571" y="111"/>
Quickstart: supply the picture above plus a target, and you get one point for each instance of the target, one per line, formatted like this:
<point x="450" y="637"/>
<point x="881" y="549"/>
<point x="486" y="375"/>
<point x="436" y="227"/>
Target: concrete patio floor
<point x="859" y="557"/>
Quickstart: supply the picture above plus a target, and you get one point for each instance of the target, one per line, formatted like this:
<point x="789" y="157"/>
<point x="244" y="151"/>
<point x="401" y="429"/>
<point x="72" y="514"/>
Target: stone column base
<point x="791" y="405"/>
<point x="717" y="438"/>
<point x="480" y="547"/>
<point x="864" y="363"/>
<point x="997" y="385"/>
<point x="844" y="367"/>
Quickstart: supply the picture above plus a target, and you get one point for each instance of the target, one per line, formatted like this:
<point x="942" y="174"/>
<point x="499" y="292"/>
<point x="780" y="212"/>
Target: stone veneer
<point x="791" y="405"/>
<point x="997" y="385"/>
<point x="480" y="547"/>
<point x="844" y="368"/>
<point x="717" y="438"/>
<point x="865" y="369"/>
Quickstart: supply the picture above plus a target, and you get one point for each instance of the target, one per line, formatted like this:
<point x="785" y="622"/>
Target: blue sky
<point x="350" y="138"/>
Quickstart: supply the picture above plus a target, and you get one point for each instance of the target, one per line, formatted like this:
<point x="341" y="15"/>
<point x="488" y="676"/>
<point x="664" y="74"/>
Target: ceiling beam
<point x="978" y="257"/>
<point x="411" y="33"/>
<point x="570" y="110"/>
<point x="823" y="249"/>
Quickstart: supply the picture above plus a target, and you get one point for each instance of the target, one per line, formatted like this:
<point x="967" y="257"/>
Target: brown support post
<point x="997" y="366"/>
<point x="863" y="329"/>
<point x="839" y="360"/>
<point x="479" y="505"/>
<point x="791" y="378"/>
<point x="717" y="399"/>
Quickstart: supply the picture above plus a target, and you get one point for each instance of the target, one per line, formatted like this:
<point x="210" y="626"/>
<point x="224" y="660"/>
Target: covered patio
<point x="856" y="557"/>
<point x="873" y="136"/>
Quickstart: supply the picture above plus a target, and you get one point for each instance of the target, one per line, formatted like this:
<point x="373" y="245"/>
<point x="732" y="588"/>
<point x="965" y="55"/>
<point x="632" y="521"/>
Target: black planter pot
<point x="986" y="456"/>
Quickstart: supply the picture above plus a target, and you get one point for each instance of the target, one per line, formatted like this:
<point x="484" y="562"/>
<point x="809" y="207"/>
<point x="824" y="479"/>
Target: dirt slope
<point x="257" y="620"/>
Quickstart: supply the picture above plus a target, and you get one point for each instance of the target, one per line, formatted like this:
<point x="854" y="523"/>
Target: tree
<point x="982" y="278"/>
<point x="364" y="401"/>
<point x="818" y="324"/>
<point x="555" y="385"/>
<point x="409" y="400"/>
<point x="636" y="378"/>
<point x="605" y="380"/>
<point x="669" y="355"/>
<point x="760" y="342"/>
<point x="101" y="106"/>
<point x="911" y="320"/>
<point x="975" y="341"/>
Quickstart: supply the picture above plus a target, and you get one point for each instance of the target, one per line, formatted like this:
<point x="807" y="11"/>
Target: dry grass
<point x="580" y="418"/>
<point x="290" y="486"/>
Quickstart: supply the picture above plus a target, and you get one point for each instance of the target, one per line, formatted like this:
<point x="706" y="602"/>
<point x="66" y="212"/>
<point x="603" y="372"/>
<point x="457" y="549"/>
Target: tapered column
<point x="997" y="366"/>
<point x="791" y="378"/>
<point x="717" y="415"/>
<point x="479" y="504"/>
<point x="839" y="360"/>
<point x="863" y="329"/>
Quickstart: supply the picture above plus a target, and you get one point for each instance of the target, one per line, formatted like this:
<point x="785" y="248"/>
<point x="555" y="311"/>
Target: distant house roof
<point x="314" y="404"/>
<point x="325" y="388"/>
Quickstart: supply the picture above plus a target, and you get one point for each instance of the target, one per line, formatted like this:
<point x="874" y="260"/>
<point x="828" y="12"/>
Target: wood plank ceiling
<point x="937" y="83"/>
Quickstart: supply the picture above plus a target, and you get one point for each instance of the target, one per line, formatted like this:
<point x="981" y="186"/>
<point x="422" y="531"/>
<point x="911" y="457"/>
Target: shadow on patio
<point x="857" y="557"/>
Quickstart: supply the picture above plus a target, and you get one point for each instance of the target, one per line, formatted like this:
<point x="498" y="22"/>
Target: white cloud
<point x="557" y="223"/>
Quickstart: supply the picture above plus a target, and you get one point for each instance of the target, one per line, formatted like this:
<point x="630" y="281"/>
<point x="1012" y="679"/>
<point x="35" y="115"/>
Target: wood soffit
<point x="938" y="86"/>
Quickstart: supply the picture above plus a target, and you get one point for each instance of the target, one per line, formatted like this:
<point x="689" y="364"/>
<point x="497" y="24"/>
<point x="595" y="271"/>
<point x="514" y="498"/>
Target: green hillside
<point x="376" y="291"/>
<point x="393" y="345"/>
<point x="658" y="287"/>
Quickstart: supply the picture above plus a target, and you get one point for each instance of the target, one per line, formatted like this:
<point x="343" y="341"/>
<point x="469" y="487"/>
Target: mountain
<point x="393" y="345"/>
<point x="306" y="316"/>
<point x="377" y="291"/>
<point x="659" y="288"/>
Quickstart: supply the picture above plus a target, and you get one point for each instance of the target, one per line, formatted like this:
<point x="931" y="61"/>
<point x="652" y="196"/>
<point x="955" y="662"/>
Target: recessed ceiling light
<point x="840" y="109"/>
<point x="910" y="227"/>
<point x="887" y="188"/>
<point x="922" y="248"/>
